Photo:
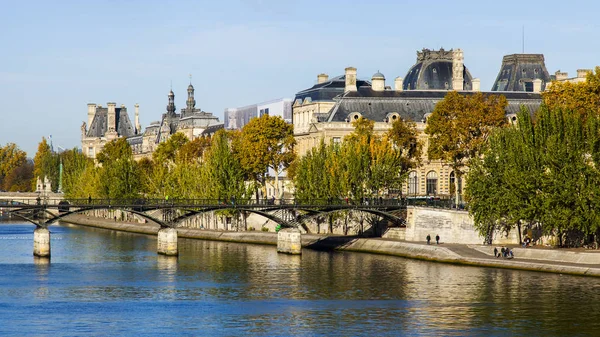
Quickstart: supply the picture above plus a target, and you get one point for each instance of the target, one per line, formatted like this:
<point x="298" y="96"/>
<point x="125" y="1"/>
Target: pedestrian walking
<point x="437" y="239"/>
<point x="503" y="251"/>
<point x="496" y="252"/>
<point x="428" y="238"/>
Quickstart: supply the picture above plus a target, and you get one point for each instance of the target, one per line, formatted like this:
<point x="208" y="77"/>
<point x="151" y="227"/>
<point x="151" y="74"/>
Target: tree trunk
<point x="277" y="196"/>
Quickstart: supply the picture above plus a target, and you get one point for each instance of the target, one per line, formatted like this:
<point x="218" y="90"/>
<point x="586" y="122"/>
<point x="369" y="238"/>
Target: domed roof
<point x="378" y="75"/>
<point x="171" y="93"/>
<point x="190" y="87"/>
<point x="433" y="71"/>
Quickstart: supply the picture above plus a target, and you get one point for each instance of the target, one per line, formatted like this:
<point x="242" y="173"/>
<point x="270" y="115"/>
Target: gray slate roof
<point x="328" y="90"/>
<point x="518" y="71"/>
<point x="410" y="105"/>
<point x="98" y="127"/>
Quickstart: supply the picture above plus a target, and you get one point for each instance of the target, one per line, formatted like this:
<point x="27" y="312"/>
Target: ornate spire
<point x="191" y="102"/>
<point x="171" y="105"/>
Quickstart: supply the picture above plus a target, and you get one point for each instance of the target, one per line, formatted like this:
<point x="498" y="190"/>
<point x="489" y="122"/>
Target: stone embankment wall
<point x="452" y="226"/>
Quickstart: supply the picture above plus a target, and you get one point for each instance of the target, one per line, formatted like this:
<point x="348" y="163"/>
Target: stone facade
<point x="452" y="227"/>
<point x="107" y="124"/>
<point x="104" y="125"/>
<point x="191" y="121"/>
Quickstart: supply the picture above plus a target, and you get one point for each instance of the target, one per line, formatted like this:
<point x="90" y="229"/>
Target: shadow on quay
<point x="332" y="242"/>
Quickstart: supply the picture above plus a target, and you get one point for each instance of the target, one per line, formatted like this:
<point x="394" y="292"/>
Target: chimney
<point x="458" y="68"/>
<point x="138" y="127"/>
<point x="398" y="83"/>
<point x="350" y="79"/>
<point x="561" y="76"/>
<point x="378" y="82"/>
<point x="537" y="86"/>
<point x="582" y="73"/>
<point x="111" y="117"/>
<point x="91" y="114"/>
<point x="476" y="84"/>
<point x="322" y="78"/>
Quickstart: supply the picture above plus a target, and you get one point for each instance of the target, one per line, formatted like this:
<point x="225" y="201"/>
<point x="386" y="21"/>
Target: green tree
<point x="46" y="164"/>
<point x="119" y="174"/>
<point x="223" y="172"/>
<point x="265" y="143"/>
<point x="74" y="164"/>
<point x="460" y="125"/>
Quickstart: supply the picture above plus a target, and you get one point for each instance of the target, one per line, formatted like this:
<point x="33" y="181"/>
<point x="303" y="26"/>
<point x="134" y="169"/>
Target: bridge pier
<point x="289" y="241"/>
<point x="167" y="241"/>
<point x="41" y="242"/>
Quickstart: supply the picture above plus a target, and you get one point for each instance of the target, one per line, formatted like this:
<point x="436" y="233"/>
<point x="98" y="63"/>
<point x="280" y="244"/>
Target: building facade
<point x="326" y="110"/>
<point x="236" y="118"/>
<point x="107" y="124"/>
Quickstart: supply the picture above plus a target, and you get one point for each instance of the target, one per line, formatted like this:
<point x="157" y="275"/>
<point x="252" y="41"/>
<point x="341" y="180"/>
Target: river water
<point x="102" y="282"/>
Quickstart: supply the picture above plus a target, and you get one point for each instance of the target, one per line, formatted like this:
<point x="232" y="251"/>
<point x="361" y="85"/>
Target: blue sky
<point x="57" y="56"/>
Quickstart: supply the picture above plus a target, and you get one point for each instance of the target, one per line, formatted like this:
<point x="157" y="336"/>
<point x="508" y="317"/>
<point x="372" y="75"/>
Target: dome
<point x="190" y="87"/>
<point x="378" y="75"/>
<point x="171" y="94"/>
<point x="433" y="71"/>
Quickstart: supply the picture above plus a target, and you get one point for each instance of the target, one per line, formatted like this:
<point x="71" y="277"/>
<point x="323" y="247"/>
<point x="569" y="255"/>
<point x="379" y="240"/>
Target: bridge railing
<point x="192" y="203"/>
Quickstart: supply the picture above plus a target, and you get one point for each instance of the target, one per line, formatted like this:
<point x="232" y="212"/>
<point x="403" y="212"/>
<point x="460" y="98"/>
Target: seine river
<point x="109" y="283"/>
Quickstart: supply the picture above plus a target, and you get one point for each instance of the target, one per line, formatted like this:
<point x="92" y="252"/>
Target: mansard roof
<point x="518" y="72"/>
<point x="98" y="127"/>
<point x="411" y="105"/>
<point x="328" y="90"/>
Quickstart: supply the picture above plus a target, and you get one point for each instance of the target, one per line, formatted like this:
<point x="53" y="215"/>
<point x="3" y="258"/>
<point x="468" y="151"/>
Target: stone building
<point x="106" y="124"/>
<point x="561" y="76"/>
<point x="109" y="123"/>
<point x="326" y="110"/>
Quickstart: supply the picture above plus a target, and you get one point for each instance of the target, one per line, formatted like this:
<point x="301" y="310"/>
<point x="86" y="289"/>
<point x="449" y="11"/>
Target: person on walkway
<point x="437" y="239"/>
<point x="495" y="252"/>
<point x="503" y="251"/>
<point x="428" y="238"/>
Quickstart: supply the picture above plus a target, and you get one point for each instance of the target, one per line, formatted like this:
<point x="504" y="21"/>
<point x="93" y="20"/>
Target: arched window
<point x="432" y="183"/>
<point x="452" y="186"/>
<point x="413" y="183"/>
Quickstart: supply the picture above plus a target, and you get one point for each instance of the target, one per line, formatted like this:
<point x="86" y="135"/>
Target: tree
<point x="460" y="125"/>
<point x="404" y="138"/>
<point x="19" y="179"/>
<point x="193" y="150"/>
<point x="74" y="164"/>
<point x="46" y="164"/>
<point x="119" y="174"/>
<point x="11" y="158"/>
<point x="266" y="143"/>
<point x="225" y="178"/>
<point x="581" y="97"/>
<point x="166" y="152"/>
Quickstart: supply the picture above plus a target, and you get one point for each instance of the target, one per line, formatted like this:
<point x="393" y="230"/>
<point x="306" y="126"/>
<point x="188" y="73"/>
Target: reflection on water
<point x="218" y="288"/>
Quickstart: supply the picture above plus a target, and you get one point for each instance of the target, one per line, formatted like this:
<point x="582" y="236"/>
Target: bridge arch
<point x="179" y="220"/>
<point x="55" y="217"/>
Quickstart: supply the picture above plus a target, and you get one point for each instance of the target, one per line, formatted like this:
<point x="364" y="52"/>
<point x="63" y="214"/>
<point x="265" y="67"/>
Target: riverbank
<point x="544" y="260"/>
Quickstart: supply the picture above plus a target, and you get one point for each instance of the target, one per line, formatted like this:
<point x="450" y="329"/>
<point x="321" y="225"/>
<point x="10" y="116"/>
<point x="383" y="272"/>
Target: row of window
<point x="431" y="183"/>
